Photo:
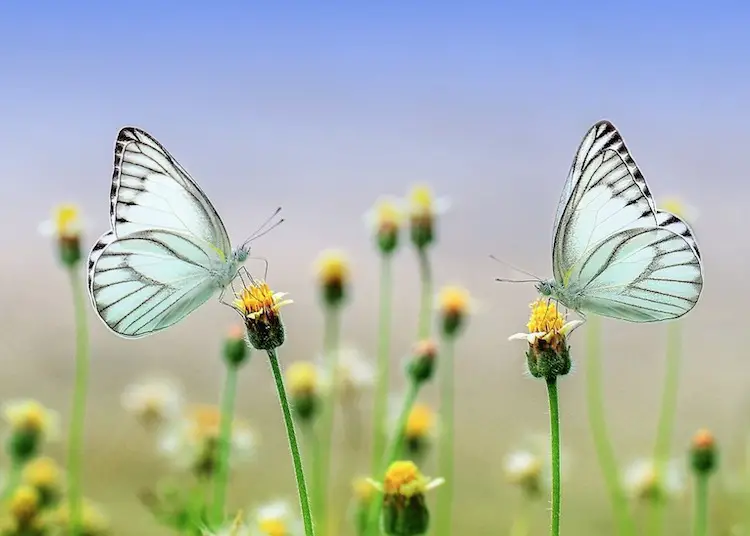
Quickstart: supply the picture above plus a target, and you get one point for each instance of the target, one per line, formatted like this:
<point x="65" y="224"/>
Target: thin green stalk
<point x="304" y="500"/>
<point x="666" y="421"/>
<point x="425" y="303"/>
<point x="391" y="455"/>
<point x="322" y="462"/>
<point x="554" y="432"/>
<point x="598" y="424"/>
<point x="13" y="480"/>
<point x="221" y="479"/>
<point x="445" y="452"/>
<point x="78" y="415"/>
<point x="700" y="519"/>
<point x="520" y="525"/>
<point x="383" y="366"/>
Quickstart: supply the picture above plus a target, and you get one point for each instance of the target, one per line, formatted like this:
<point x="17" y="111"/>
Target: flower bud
<point x="422" y="366"/>
<point x="703" y="453"/>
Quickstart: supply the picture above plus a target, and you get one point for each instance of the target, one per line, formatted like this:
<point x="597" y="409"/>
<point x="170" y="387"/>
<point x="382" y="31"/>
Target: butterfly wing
<point x="151" y="190"/>
<point x="641" y="275"/>
<point x="149" y="280"/>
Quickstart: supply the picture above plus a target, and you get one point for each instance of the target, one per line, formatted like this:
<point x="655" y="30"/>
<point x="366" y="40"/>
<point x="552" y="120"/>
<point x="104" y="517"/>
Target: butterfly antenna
<point x="265" y="227"/>
<point x="517" y="269"/>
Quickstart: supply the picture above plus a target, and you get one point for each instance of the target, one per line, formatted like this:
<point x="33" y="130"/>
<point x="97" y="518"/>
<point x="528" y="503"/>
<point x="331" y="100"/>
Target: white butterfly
<point x="614" y="253"/>
<point x="168" y="251"/>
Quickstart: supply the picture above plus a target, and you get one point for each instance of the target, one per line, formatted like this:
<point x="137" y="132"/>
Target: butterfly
<point x="167" y="251"/>
<point x="614" y="253"/>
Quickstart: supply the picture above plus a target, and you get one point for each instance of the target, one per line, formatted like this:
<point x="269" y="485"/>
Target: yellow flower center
<point x="42" y="473"/>
<point x="454" y="301"/>
<point x="420" y="422"/>
<point x="333" y="268"/>
<point x="66" y="219"/>
<point x="404" y="479"/>
<point x="388" y="216"/>
<point x="421" y="201"/>
<point x="24" y="503"/>
<point x="273" y="527"/>
<point x="259" y="302"/>
<point x="31" y="416"/>
<point x="302" y="378"/>
<point x="545" y="317"/>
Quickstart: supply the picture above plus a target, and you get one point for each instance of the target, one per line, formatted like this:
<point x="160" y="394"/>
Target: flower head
<point x="93" y="521"/>
<point x="333" y="273"/>
<point x="354" y="374"/>
<point x="423" y="211"/>
<point x="154" y="402"/>
<point x="275" y="519"/>
<point x="24" y="505"/>
<point x="421" y="367"/>
<point x="386" y="218"/>
<point x="44" y="475"/>
<point x="259" y="306"/>
<point x="420" y="428"/>
<point x="66" y="227"/>
<point x="529" y="468"/>
<point x="703" y="452"/>
<point x="548" y="355"/>
<point x="454" y="304"/>
<point x="643" y="481"/>
<point x="30" y="424"/>
<point x="235" y="347"/>
<point x="303" y="384"/>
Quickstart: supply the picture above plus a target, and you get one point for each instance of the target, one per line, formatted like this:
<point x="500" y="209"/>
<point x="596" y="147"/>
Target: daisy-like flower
<point x="354" y="374"/>
<point x="333" y="273"/>
<point x="30" y="425"/>
<point x="454" y="305"/>
<point x="642" y="482"/>
<point x="405" y="510"/>
<point x="303" y="385"/>
<point x="530" y="466"/>
<point x="423" y="211"/>
<point x="66" y="227"/>
<point x="45" y="476"/>
<point x="276" y="519"/>
<point x="154" y="402"/>
<point x="259" y="307"/>
<point x="420" y="429"/>
<point x="548" y="355"/>
<point x="193" y="441"/>
<point x="680" y="209"/>
<point x="386" y="219"/>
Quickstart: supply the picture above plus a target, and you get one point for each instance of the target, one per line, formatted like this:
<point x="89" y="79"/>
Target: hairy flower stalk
<point x="259" y="307"/>
<point x="548" y="357"/>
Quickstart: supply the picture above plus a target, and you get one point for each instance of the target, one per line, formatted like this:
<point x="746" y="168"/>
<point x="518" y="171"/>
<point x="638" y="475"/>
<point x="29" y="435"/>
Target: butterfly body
<point x="167" y="251"/>
<point x="614" y="253"/>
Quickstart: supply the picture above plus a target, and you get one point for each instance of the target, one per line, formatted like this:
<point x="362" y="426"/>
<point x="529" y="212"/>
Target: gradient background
<point x="321" y="108"/>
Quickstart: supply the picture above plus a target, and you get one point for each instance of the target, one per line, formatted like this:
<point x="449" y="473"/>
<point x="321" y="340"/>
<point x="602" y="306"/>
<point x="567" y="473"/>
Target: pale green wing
<point x="149" y="280"/>
<point x="640" y="275"/>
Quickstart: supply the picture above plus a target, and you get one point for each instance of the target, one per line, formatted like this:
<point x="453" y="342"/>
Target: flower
<point x="642" y="482"/>
<point x="154" y="402"/>
<point x="420" y="428"/>
<point x="44" y="475"/>
<point x="30" y="424"/>
<point x="192" y="442"/>
<point x="454" y="303"/>
<point x="24" y="505"/>
<point x="703" y="453"/>
<point x="259" y="306"/>
<point x="405" y="510"/>
<point x="423" y="210"/>
<point x="275" y="519"/>
<point x="235" y="347"/>
<point x="303" y="384"/>
<point x="386" y="218"/>
<point x="529" y="467"/>
<point x="333" y="272"/>
<point x="354" y="373"/>
<point x="66" y="227"/>
<point x="679" y="208"/>
<point x="93" y="522"/>
<point x="421" y="367"/>
<point x="548" y="355"/>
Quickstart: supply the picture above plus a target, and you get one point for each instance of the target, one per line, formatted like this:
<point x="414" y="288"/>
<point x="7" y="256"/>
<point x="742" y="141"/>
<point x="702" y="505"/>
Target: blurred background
<point x="321" y="109"/>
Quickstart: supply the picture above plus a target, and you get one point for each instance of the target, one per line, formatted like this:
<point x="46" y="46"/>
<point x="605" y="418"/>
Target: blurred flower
<point x="703" y="452"/>
<point x="424" y="209"/>
<point x="454" y="304"/>
<point x="420" y="429"/>
<point x="642" y="482"/>
<point x="30" y="425"/>
<point x="45" y="476"/>
<point x="363" y="491"/>
<point x="303" y="385"/>
<point x="529" y="467"/>
<point x="24" y="505"/>
<point x="421" y="366"/>
<point x="235" y="346"/>
<point x="680" y="209"/>
<point x="192" y="441"/>
<point x="276" y="519"/>
<point x="386" y="219"/>
<point x="66" y="227"/>
<point x="235" y="528"/>
<point x="333" y="271"/>
<point x="355" y="374"/>
<point x="93" y="520"/>
<point x="259" y="306"/>
<point x="153" y="402"/>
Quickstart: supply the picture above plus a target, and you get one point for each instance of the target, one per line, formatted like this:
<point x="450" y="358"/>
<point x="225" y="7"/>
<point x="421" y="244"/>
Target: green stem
<point x="13" y="479"/>
<point x="304" y="500"/>
<point x="666" y="421"/>
<point x="78" y="417"/>
<point x="221" y="479"/>
<point x="383" y="366"/>
<point x="391" y="454"/>
<point x="700" y="520"/>
<point x="445" y="453"/>
<point x="425" y="303"/>
<point x="520" y="525"/>
<point x="554" y="430"/>
<point x="598" y="424"/>
<point x="322" y="462"/>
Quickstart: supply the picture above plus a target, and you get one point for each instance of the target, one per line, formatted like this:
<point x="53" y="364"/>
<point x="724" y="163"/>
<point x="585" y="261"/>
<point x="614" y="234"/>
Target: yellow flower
<point x="423" y="209"/>
<point x="403" y="479"/>
<point x="546" y="324"/>
<point x="454" y="303"/>
<point x="31" y="417"/>
<point x="43" y="474"/>
<point x="24" y="504"/>
<point x="65" y="223"/>
<point x="93" y="521"/>
<point x="333" y="273"/>
<point x="302" y="378"/>
<point x="259" y="306"/>
<point x="276" y="519"/>
<point x="386" y="218"/>
<point x="420" y="423"/>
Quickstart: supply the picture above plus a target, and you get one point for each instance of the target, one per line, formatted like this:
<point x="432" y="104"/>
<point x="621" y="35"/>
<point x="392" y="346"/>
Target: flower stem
<point x="304" y="500"/>
<point x="13" y="480"/>
<point x="598" y="424"/>
<point x="700" y="519"/>
<point x="425" y="303"/>
<point x="221" y="479"/>
<point x="322" y="462"/>
<point x="520" y="525"/>
<point x="391" y="454"/>
<point x="78" y="416"/>
<point x="445" y="453"/>
<point x="666" y="421"/>
<point x="554" y="430"/>
<point x="383" y="365"/>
